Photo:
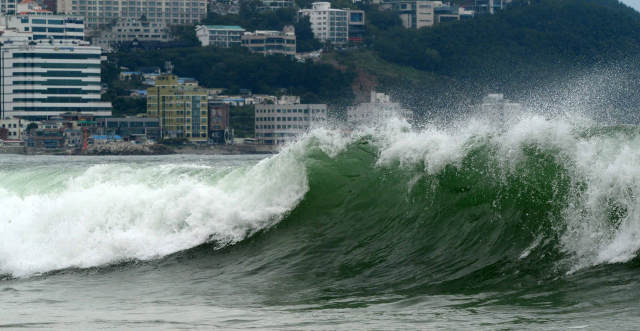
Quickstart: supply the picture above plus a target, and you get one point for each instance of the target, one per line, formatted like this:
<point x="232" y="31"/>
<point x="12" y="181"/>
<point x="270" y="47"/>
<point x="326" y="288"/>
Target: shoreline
<point x="190" y="150"/>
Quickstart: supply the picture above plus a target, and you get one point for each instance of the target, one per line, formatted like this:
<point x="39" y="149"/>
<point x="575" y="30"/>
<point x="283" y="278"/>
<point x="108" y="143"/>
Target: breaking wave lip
<point x="112" y="213"/>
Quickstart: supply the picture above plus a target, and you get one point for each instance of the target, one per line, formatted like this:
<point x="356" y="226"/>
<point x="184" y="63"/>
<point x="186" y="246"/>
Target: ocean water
<point x="530" y="224"/>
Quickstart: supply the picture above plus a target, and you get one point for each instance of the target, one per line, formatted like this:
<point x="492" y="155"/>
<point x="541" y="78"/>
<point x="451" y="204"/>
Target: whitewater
<point x="529" y="222"/>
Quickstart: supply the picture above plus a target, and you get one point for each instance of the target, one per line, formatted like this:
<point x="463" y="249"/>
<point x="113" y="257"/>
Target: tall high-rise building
<point x="182" y="109"/>
<point x="47" y="68"/>
<point x="46" y="78"/>
<point x="100" y="13"/>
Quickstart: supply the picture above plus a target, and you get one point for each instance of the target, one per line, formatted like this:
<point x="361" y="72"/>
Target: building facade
<point x="327" y="23"/>
<point x="47" y="78"/>
<point x="219" y="127"/>
<point x="101" y="13"/>
<point x="132" y="128"/>
<point x="31" y="22"/>
<point x="219" y="35"/>
<point x="14" y="127"/>
<point x="182" y="110"/>
<point x="377" y="111"/>
<point x="271" y="42"/>
<point x="277" y="124"/>
<point x="129" y="29"/>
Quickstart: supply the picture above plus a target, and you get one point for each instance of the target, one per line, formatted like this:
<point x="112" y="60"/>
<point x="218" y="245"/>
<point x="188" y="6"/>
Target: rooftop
<point x="223" y="27"/>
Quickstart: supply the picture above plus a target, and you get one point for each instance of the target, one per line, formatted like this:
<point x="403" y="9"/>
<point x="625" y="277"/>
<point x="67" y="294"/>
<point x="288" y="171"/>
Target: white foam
<point x="112" y="213"/>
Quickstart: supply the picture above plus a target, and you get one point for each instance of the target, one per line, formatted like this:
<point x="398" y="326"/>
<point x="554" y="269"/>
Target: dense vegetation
<point x="237" y="68"/>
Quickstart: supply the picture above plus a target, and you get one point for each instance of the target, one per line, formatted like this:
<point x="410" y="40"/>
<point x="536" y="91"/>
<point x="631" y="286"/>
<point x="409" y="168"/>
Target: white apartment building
<point x="100" y="13"/>
<point x="277" y="124"/>
<point x="379" y="110"/>
<point x="271" y="42"/>
<point x="220" y="35"/>
<point x="128" y="29"/>
<point x="42" y="79"/>
<point x="33" y="23"/>
<point x="328" y="24"/>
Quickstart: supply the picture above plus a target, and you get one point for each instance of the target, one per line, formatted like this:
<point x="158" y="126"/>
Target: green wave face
<point x="471" y="210"/>
<point x="534" y="206"/>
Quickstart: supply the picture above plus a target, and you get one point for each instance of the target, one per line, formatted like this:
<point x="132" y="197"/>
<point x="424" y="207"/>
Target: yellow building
<point x="183" y="110"/>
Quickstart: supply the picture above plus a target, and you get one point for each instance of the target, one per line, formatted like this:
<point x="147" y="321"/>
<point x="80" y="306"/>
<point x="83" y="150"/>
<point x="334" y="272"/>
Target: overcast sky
<point x="632" y="3"/>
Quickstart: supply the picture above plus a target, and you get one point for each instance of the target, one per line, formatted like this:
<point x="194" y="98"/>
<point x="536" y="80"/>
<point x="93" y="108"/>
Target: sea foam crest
<point x="116" y="212"/>
<point x="601" y="221"/>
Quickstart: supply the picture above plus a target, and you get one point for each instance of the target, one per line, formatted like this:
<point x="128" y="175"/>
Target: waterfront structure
<point x="219" y="126"/>
<point x="31" y="22"/>
<point x="327" y="23"/>
<point x="219" y="35"/>
<point x="130" y="29"/>
<point x="378" y="110"/>
<point x="14" y="127"/>
<point x="49" y="134"/>
<point x="182" y="110"/>
<point x="102" y="13"/>
<point x="277" y="124"/>
<point x="46" y="78"/>
<point x="271" y="42"/>
<point x="132" y="128"/>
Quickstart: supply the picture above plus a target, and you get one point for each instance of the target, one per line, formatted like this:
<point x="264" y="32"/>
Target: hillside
<point x="531" y="45"/>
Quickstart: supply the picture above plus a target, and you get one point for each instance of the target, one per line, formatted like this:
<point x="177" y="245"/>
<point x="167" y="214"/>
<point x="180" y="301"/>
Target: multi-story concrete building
<point x="377" y="111"/>
<point x="219" y="126"/>
<point x="132" y="128"/>
<point x="100" y="13"/>
<point x="182" y="109"/>
<point x="327" y="23"/>
<point x="277" y="124"/>
<point x="46" y="78"/>
<point x="129" y="29"/>
<point x="220" y="35"/>
<point x="356" y="25"/>
<point x="271" y="42"/>
<point x="486" y="6"/>
<point x="496" y="107"/>
<point x="31" y="22"/>
<point x="277" y="4"/>
<point x="415" y="14"/>
<point x="14" y="126"/>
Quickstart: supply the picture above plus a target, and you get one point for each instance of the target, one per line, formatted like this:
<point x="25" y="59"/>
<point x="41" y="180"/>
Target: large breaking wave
<point x="389" y="207"/>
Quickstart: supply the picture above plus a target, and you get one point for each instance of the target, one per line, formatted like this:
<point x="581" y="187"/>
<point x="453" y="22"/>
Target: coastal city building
<point x="271" y="42"/>
<point x="220" y="132"/>
<point x="333" y="24"/>
<point x="278" y="124"/>
<point x="129" y="29"/>
<point x="276" y="4"/>
<point x="14" y="127"/>
<point x="31" y="22"/>
<point x="132" y="128"/>
<point x="486" y="6"/>
<point x="497" y="107"/>
<point x="219" y="35"/>
<point x="101" y="13"/>
<point x="46" y="78"/>
<point x="378" y="110"/>
<point x="182" y="109"/>
<point x="419" y="13"/>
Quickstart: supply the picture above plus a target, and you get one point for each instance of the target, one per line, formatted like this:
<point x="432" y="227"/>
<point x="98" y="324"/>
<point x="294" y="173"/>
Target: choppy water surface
<point x="535" y="225"/>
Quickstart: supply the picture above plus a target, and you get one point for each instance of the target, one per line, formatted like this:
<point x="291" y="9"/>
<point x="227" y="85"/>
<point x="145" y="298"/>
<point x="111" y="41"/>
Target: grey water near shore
<point x="530" y="226"/>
